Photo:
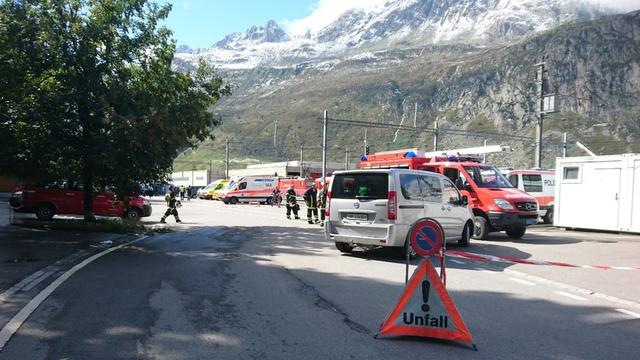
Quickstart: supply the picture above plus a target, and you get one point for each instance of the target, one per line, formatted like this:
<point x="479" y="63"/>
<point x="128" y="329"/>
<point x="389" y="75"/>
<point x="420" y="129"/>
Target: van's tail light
<point x="326" y="206"/>
<point x="392" y="206"/>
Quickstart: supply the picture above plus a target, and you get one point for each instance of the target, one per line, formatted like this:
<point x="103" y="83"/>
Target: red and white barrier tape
<point x="513" y="260"/>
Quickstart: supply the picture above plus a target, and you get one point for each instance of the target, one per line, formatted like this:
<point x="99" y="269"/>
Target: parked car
<point x="67" y="197"/>
<point x="376" y="208"/>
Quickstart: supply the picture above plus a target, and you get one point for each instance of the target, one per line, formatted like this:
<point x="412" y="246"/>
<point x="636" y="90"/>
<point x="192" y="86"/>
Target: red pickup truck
<point x="67" y="197"/>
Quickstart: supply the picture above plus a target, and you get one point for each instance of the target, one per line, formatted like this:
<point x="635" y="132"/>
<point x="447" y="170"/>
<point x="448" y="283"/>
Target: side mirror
<point x="465" y="200"/>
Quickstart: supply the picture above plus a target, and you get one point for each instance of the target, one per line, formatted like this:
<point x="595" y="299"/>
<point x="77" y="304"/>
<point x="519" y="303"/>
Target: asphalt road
<point x="243" y="282"/>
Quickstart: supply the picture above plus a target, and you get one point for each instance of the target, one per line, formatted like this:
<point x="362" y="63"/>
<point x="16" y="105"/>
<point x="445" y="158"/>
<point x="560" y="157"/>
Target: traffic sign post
<point x="425" y="307"/>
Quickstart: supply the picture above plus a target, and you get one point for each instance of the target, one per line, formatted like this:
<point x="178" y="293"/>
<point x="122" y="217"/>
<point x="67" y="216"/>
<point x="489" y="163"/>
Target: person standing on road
<point x="292" y="204"/>
<point x="188" y="192"/>
<point x="311" y="200"/>
<point x="181" y="192"/>
<point x="276" y="197"/>
<point x="172" y="207"/>
<point x="322" y="202"/>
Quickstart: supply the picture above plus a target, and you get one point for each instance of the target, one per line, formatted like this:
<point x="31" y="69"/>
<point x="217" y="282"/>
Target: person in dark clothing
<point x="172" y="207"/>
<point x="322" y="203"/>
<point x="292" y="204"/>
<point x="188" y="192"/>
<point x="311" y="200"/>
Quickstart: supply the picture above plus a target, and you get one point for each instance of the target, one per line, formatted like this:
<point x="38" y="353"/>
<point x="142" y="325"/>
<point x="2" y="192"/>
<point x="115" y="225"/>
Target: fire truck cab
<point x="496" y="204"/>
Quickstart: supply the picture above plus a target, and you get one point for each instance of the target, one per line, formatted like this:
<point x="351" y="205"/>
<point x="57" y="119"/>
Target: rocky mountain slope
<point x="375" y="66"/>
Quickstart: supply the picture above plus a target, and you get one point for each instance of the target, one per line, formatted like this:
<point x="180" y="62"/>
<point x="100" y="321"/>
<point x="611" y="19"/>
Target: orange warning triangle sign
<point x="426" y="309"/>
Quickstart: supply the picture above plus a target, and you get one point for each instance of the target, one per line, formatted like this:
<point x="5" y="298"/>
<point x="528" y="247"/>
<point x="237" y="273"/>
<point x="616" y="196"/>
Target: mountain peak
<point x="269" y="33"/>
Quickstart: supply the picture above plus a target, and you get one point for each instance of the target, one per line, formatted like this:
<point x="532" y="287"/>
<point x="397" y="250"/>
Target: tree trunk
<point x="87" y="180"/>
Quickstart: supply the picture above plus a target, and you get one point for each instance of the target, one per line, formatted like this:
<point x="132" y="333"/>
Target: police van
<point x="249" y="189"/>
<point x="376" y="208"/>
<point x="540" y="184"/>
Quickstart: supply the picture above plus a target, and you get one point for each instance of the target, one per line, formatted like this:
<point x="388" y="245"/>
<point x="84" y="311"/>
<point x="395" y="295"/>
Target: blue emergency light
<point x="410" y="154"/>
<point x="363" y="158"/>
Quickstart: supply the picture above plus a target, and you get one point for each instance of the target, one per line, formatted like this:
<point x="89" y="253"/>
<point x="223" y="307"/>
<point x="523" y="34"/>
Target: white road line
<point x="490" y="272"/>
<point x="457" y="262"/>
<point x="575" y="297"/>
<point x="622" y="268"/>
<point x="16" y="322"/>
<point x="636" y="315"/>
<point x="525" y="282"/>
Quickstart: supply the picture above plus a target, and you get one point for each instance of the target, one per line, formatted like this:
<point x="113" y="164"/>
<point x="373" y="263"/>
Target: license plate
<point x="530" y="221"/>
<point x="358" y="217"/>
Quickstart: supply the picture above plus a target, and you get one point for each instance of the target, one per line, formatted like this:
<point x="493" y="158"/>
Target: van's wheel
<point x="466" y="235"/>
<point x="344" y="247"/>
<point x="480" y="228"/>
<point x="548" y="217"/>
<point x="45" y="212"/>
<point x="132" y="214"/>
<point x="233" y="200"/>
<point x="269" y="201"/>
<point x="516" y="233"/>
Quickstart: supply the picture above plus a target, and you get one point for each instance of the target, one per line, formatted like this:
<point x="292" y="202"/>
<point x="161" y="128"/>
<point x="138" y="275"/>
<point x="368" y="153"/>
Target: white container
<point x="600" y="193"/>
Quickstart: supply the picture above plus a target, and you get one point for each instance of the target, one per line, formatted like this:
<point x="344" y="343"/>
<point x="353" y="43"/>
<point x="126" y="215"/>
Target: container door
<point x="605" y="196"/>
<point x="635" y="203"/>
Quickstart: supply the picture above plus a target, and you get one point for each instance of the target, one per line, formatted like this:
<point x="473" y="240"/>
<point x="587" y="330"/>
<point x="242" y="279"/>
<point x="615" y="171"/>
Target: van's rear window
<point x="360" y="186"/>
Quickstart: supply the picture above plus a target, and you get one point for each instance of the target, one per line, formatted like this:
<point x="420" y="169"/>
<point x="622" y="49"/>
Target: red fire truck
<point x="496" y="204"/>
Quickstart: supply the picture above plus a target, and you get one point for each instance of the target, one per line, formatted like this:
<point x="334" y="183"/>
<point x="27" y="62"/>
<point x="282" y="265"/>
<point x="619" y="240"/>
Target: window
<point x="242" y="186"/>
<point x="532" y="183"/>
<point x="431" y="189"/>
<point x="451" y="194"/>
<point x="361" y="186"/>
<point x="513" y="179"/>
<point x="410" y="187"/>
<point x="570" y="173"/>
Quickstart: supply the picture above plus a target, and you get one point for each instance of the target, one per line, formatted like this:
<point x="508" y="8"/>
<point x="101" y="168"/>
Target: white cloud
<point x="326" y="12"/>
<point x="623" y="5"/>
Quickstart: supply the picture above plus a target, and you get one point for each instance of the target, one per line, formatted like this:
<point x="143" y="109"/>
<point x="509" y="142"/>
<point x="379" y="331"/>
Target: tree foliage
<point x="87" y="91"/>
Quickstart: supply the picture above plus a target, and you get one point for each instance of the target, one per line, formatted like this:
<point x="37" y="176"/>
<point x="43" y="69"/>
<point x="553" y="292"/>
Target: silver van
<point x="376" y="208"/>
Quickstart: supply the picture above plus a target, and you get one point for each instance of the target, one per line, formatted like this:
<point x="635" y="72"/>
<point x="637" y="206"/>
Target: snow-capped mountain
<point x="403" y="23"/>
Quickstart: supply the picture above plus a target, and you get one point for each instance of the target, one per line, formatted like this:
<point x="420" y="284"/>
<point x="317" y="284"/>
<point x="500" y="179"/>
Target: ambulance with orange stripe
<point x="540" y="184"/>
<point x="249" y="189"/>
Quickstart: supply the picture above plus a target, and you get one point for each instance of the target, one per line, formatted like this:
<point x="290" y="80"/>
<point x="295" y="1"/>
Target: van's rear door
<point x="359" y="198"/>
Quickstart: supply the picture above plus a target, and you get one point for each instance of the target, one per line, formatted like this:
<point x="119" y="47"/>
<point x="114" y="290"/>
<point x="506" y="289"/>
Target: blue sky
<point x="200" y="23"/>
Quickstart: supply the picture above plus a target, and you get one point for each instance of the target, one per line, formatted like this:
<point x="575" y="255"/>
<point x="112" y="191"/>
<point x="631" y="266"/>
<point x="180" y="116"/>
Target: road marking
<point x="16" y="322"/>
<point x="575" y="297"/>
<point x="17" y="287"/>
<point x="457" y="262"/>
<point x="636" y="315"/>
<point x="525" y="282"/>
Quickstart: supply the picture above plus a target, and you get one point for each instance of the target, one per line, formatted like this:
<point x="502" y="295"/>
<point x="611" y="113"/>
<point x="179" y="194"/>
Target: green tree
<point x="87" y="91"/>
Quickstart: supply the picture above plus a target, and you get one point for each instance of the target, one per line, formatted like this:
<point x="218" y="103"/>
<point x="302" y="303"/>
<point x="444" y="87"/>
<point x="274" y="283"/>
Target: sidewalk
<point x="23" y="251"/>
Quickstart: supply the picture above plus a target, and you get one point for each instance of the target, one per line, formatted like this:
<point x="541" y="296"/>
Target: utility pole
<point x="435" y="136"/>
<point x="484" y="156"/>
<point x="301" y="160"/>
<point x="364" y="151"/>
<point x="415" y="116"/>
<point x="209" y="177"/>
<point x="325" y="120"/>
<point x="226" y="160"/>
<point x="540" y="83"/>
<point x="564" y="145"/>
<point x="275" y="134"/>
<point x="346" y="158"/>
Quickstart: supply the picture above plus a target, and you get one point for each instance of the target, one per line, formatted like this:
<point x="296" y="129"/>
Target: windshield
<point x="487" y="177"/>
<point x="360" y="186"/>
<point x="230" y="185"/>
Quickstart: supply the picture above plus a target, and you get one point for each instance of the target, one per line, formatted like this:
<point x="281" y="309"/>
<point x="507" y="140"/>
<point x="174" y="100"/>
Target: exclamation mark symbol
<point x="426" y="286"/>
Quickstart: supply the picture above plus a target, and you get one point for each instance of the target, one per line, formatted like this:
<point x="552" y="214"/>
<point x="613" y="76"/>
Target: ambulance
<point x="540" y="184"/>
<point x="496" y="204"/>
<point x="249" y="189"/>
